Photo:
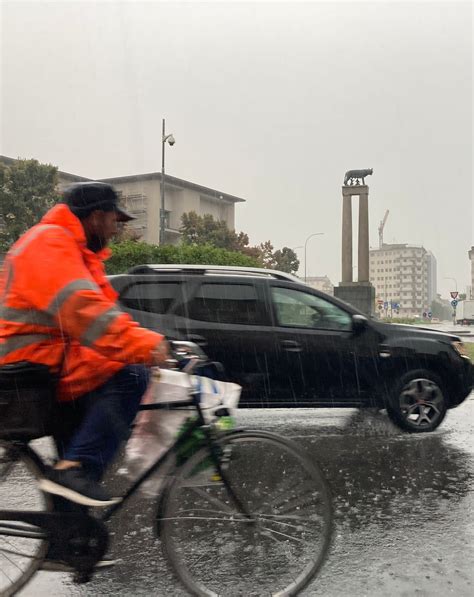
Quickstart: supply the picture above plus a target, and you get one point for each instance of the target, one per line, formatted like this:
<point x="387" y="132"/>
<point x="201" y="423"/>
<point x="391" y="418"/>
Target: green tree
<point x="266" y="254"/>
<point x="441" y="310"/>
<point x="27" y="191"/>
<point x="130" y="253"/>
<point x="205" y="230"/>
<point x="286" y="260"/>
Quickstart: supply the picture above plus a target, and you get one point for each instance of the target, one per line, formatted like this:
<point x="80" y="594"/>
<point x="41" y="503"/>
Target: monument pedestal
<point x="358" y="294"/>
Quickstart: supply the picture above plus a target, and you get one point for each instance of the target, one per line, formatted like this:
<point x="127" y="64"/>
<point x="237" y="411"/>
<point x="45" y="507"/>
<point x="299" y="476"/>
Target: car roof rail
<point x="172" y="268"/>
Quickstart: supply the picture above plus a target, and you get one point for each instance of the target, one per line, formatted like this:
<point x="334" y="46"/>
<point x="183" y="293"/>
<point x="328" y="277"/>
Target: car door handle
<point x="199" y="340"/>
<point x="291" y="346"/>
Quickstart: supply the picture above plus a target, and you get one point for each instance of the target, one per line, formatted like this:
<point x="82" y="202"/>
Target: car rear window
<point x="152" y="297"/>
<point x="225" y="303"/>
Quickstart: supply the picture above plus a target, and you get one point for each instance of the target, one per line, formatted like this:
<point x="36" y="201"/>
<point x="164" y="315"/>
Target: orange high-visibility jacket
<point x="58" y="308"/>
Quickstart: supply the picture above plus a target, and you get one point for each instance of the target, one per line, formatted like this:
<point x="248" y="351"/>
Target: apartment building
<point x="141" y="196"/>
<point x="403" y="275"/>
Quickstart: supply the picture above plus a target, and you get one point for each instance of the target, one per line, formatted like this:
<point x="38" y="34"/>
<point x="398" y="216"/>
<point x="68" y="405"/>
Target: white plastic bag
<point x="215" y="395"/>
<point x="155" y="431"/>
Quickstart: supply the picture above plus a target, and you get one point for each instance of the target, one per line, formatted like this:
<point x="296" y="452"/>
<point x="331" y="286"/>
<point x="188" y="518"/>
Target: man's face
<point x="100" y="229"/>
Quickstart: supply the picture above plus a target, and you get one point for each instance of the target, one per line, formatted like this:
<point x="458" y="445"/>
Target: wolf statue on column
<point x="352" y="177"/>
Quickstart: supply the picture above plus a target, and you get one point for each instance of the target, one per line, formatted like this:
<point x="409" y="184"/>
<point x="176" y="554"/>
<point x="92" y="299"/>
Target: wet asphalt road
<point x="404" y="511"/>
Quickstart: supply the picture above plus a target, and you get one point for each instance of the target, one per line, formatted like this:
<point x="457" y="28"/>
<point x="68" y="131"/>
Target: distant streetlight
<point x="171" y="142"/>
<point x="305" y="245"/>
<point x="454" y="280"/>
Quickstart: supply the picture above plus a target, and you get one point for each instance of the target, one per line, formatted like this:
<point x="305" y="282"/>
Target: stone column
<point x="363" y="265"/>
<point x="346" y="237"/>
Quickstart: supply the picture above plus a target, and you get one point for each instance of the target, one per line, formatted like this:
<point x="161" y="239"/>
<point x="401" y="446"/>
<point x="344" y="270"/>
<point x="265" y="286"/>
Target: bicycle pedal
<point x="216" y="477"/>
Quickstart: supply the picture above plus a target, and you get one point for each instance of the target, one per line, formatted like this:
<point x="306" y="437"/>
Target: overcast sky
<point x="271" y="102"/>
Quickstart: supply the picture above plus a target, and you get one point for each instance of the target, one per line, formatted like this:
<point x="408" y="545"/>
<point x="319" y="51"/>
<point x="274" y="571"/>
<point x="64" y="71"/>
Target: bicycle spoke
<point x="4" y="552"/>
<point x="212" y="499"/>
<point x="22" y="545"/>
<point x="16" y="553"/>
<point x="5" y="574"/>
<point x="283" y="535"/>
<point x="275" y="548"/>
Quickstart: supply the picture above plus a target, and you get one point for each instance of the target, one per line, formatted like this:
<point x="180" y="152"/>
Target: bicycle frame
<point x="199" y="423"/>
<point x="51" y="522"/>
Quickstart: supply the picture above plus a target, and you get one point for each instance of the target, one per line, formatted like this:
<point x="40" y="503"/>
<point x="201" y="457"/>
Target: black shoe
<point x="51" y="565"/>
<point x="74" y="485"/>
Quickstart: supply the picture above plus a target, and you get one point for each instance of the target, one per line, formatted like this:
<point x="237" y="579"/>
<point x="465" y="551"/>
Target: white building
<point x="142" y="198"/>
<point x="322" y="283"/>
<point x="403" y="275"/>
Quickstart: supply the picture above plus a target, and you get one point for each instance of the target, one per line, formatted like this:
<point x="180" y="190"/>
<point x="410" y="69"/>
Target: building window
<point x="167" y="217"/>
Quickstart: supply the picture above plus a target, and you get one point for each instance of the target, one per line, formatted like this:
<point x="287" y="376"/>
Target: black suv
<point x="289" y="345"/>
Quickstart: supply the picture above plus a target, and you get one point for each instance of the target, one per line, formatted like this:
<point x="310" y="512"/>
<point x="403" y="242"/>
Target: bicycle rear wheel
<point x="21" y="553"/>
<point x="215" y="549"/>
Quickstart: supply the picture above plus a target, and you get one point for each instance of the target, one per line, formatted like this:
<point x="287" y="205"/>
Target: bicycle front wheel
<point x="275" y="546"/>
<point x="22" y="546"/>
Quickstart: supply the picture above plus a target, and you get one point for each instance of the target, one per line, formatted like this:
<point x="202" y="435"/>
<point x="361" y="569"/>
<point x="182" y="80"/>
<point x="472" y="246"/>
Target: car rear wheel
<point x="418" y="402"/>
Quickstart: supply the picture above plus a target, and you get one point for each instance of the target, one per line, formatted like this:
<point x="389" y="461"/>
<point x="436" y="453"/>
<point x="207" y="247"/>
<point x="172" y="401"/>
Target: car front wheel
<point x="418" y="402"/>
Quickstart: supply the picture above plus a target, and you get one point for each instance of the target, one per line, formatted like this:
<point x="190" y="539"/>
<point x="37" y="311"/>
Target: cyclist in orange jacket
<point x="57" y="308"/>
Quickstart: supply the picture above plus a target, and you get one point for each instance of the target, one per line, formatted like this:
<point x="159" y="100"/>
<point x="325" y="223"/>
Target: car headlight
<point x="460" y="349"/>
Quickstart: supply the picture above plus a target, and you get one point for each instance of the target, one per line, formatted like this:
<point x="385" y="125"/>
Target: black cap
<point x="85" y="197"/>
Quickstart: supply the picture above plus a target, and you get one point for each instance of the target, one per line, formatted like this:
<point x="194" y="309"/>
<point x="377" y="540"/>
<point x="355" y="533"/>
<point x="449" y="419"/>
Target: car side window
<point x="225" y="303"/>
<point x="295" y="308"/>
<point x="151" y="297"/>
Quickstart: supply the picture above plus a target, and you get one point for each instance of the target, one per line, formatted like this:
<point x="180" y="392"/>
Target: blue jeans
<point x="92" y="428"/>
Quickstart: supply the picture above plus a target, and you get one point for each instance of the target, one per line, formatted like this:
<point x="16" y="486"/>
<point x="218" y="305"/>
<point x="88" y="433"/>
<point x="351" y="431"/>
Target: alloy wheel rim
<point x="421" y="402"/>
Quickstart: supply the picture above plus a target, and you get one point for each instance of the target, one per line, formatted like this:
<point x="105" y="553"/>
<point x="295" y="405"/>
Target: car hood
<point x="391" y="330"/>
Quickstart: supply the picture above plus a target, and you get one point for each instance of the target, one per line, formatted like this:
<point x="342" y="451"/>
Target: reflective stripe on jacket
<point x="58" y="308"/>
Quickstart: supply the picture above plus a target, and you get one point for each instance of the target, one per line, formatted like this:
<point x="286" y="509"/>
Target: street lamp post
<point x="171" y="142"/>
<point x="454" y="280"/>
<point x="305" y="244"/>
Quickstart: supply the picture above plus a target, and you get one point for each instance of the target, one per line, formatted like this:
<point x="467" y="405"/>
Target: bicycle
<point x="242" y="504"/>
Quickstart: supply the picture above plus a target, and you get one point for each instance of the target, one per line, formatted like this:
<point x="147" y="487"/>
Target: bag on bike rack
<point x="27" y="399"/>
<point x="155" y="431"/>
<point x="216" y="395"/>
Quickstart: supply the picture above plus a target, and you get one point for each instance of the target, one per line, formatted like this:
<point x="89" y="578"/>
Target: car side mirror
<point x="359" y="323"/>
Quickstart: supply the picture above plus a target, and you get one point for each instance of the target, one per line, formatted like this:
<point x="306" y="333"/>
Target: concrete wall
<point x="177" y="201"/>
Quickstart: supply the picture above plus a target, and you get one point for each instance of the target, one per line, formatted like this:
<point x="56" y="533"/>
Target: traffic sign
<point x="385" y="305"/>
<point x="430" y="315"/>
<point x="454" y="303"/>
<point x="454" y="294"/>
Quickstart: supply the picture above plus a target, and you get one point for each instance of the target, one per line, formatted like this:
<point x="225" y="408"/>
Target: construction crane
<point x="381" y="227"/>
